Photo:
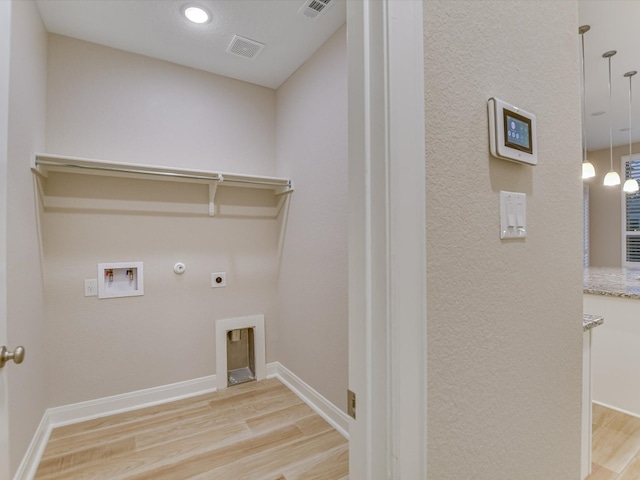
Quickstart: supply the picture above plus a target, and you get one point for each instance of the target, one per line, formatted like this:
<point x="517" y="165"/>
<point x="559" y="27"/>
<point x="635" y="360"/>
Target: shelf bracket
<point x="213" y="188"/>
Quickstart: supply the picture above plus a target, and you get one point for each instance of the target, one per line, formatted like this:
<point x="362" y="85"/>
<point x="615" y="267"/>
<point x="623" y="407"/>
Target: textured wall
<point x="605" y="212"/>
<point x="117" y="106"/>
<point x="25" y="304"/>
<point x="312" y="280"/>
<point x="504" y="317"/>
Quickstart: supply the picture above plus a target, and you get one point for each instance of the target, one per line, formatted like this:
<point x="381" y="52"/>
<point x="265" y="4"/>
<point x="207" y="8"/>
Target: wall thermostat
<point x="512" y="132"/>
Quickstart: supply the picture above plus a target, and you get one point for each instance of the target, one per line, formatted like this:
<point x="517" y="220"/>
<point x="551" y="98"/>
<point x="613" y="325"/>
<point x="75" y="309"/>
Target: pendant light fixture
<point x="587" y="167"/>
<point x="612" y="178"/>
<point x="630" y="184"/>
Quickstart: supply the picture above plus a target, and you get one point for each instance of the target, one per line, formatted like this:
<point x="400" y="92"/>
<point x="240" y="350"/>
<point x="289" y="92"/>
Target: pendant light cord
<point x="584" y="106"/>
<point x="630" y="184"/>
<point x="610" y="119"/>
<point x="630" y="76"/>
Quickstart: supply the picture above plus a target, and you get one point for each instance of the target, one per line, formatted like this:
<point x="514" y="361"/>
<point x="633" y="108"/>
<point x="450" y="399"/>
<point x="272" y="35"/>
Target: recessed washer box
<point x="120" y="279"/>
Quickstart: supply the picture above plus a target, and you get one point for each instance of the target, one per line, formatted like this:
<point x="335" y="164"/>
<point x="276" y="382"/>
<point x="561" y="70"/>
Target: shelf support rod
<point x="213" y="188"/>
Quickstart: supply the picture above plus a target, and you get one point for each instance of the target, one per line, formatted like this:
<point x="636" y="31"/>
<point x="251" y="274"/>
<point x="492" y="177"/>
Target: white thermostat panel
<point x="512" y="132"/>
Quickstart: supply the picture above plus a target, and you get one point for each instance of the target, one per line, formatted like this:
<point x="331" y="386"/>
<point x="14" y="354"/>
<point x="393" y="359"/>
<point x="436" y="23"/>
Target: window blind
<point x="632" y="214"/>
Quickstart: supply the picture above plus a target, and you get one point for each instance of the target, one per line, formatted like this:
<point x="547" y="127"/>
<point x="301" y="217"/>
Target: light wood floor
<point x="616" y="445"/>
<point x="257" y="431"/>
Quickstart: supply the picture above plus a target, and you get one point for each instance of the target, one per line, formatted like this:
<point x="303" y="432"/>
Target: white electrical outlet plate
<point x="91" y="287"/>
<point x="219" y="279"/>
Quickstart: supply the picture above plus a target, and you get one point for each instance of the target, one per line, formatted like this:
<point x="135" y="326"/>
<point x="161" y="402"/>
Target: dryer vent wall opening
<point x="241" y="359"/>
<point x="240" y="350"/>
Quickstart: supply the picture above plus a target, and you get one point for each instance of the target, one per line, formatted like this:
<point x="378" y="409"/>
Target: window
<point x="631" y="216"/>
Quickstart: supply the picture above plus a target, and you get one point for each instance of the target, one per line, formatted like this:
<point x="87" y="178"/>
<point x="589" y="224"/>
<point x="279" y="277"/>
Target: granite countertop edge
<point x="607" y="293"/>
<point x="591" y="321"/>
<point x="612" y="282"/>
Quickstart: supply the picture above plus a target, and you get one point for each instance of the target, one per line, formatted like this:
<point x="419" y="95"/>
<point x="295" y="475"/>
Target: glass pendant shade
<point x="611" y="179"/>
<point x="588" y="171"/>
<point x="631" y="185"/>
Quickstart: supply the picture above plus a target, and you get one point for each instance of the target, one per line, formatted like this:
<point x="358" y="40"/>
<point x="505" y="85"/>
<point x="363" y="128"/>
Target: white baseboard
<point x="323" y="407"/>
<point x="29" y="465"/>
<point x="610" y="407"/>
<point x="102" y="407"/>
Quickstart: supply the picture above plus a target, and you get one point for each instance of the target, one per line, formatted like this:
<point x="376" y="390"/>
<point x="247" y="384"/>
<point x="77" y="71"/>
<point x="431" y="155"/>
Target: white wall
<point x="105" y="103"/>
<point x="25" y="308"/>
<point x="504" y="317"/>
<point x="108" y="104"/>
<point x="312" y="279"/>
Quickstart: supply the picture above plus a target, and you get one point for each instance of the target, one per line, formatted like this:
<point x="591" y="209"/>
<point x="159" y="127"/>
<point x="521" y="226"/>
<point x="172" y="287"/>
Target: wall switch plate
<point x="219" y="279"/>
<point x="91" y="287"/>
<point x="513" y="215"/>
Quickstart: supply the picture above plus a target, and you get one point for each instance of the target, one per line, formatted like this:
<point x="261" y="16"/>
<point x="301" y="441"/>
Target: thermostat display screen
<point x="517" y="131"/>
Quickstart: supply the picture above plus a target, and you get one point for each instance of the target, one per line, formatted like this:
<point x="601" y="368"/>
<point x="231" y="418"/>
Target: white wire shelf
<point x="44" y="163"/>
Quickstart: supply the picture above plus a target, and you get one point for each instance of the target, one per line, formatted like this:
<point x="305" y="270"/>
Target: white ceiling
<point x="157" y="28"/>
<point x="614" y="26"/>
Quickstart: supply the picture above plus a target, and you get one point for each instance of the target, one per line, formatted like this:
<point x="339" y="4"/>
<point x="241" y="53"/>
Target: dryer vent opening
<point x="241" y="362"/>
<point x="240" y="350"/>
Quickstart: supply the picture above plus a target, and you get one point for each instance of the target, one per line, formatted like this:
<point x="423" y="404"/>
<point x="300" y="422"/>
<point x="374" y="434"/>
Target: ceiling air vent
<point x="244" y="47"/>
<point x="313" y="8"/>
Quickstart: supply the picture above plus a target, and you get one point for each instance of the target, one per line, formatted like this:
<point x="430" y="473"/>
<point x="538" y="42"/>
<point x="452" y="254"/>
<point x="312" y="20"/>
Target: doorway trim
<point x="5" y="31"/>
<point x="387" y="240"/>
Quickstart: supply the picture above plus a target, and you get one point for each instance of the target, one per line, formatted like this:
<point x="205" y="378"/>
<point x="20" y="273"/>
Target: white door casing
<point x="407" y="239"/>
<point x="5" y="32"/>
<point x="387" y="257"/>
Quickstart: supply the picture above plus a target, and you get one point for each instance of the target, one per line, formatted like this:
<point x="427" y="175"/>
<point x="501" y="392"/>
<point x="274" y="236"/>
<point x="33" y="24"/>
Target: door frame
<point x="387" y="240"/>
<point x="5" y="31"/>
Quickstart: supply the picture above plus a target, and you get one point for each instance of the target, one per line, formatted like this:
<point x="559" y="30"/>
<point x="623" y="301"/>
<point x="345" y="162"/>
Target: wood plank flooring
<point x="615" y="452"/>
<point x="257" y="431"/>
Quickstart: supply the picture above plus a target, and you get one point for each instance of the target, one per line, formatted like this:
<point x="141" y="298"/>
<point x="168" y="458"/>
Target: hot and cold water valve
<point x="120" y="279"/>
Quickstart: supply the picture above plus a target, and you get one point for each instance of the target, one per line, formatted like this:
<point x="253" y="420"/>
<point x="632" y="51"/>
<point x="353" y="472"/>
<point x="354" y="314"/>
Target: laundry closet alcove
<point x="95" y="211"/>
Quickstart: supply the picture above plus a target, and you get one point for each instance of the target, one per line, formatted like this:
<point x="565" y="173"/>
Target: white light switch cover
<point x="513" y="215"/>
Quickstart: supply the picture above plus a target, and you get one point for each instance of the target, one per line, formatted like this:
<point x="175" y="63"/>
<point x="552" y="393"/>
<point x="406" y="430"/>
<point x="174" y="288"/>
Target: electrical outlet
<point x="218" y="279"/>
<point x="91" y="287"/>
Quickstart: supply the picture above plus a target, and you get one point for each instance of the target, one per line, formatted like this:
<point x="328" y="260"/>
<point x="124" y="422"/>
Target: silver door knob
<point x="5" y="355"/>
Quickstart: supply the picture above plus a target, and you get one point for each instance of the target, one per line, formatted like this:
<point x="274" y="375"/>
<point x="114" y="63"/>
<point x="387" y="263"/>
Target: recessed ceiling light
<point x="197" y="14"/>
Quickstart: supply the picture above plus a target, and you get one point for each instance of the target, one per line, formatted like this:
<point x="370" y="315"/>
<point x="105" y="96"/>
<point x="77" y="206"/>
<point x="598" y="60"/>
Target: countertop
<point x="613" y="282"/>
<point x="591" y="321"/>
